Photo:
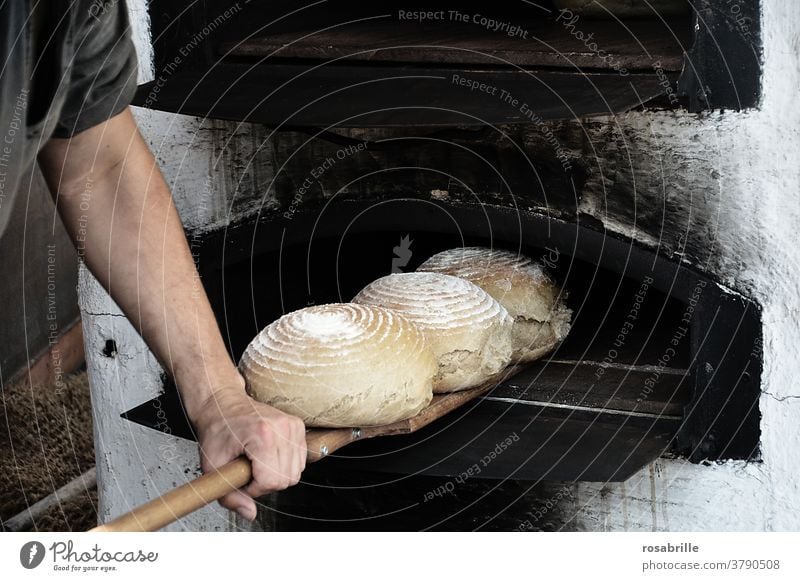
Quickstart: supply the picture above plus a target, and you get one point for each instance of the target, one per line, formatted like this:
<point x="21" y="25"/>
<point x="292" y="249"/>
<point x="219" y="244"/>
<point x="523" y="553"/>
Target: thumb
<point x="240" y="503"/>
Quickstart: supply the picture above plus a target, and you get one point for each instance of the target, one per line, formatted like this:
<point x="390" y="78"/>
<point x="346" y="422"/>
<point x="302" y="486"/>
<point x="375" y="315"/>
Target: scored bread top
<point x="324" y="335"/>
<point x="521" y="285"/>
<point x="341" y="365"/>
<point x="434" y="300"/>
<point x="484" y="264"/>
<point x="467" y="330"/>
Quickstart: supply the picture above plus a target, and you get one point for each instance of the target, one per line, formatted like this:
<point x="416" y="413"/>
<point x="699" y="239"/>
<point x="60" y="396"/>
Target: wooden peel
<point x="212" y="486"/>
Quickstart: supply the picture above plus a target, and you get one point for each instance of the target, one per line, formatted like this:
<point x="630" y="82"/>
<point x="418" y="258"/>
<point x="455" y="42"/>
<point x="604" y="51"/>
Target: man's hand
<point x="111" y="194"/>
<point x="230" y="424"/>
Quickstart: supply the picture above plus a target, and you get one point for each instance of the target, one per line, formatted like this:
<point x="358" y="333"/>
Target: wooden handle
<point x="204" y="490"/>
<point x="183" y="500"/>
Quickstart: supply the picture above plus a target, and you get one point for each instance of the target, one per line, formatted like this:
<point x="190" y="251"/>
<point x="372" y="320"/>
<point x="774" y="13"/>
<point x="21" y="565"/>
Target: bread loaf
<point x="341" y="365"/>
<point x="468" y="331"/>
<point x="541" y="320"/>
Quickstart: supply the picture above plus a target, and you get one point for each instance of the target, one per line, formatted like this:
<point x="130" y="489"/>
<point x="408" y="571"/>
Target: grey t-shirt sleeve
<point x="103" y="73"/>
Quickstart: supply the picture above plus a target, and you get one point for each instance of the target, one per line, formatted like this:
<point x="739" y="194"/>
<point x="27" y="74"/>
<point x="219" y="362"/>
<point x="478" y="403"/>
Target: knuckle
<point x="264" y="431"/>
<point x="298" y="426"/>
<point x="260" y="490"/>
<point x="264" y="477"/>
<point x="265" y="486"/>
<point x="283" y="424"/>
<point x="258" y="486"/>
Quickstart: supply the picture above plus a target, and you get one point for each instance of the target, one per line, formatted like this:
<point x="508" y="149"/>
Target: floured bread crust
<point x="341" y="365"/>
<point x="541" y="319"/>
<point x="468" y="331"/>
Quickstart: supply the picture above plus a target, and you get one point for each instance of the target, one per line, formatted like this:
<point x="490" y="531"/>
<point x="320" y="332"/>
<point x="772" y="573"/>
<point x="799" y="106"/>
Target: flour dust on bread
<point x="341" y="365"/>
<point x="541" y="319"/>
<point x="468" y="331"/>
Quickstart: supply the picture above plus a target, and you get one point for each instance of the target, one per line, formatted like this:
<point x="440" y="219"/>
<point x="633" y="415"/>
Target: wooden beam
<point x="60" y="358"/>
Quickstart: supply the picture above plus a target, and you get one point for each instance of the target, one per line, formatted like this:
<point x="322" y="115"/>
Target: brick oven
<point x="319" y="148"/>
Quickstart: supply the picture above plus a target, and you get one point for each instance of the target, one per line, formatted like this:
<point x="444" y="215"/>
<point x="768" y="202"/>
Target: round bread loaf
<point x="541" y="320"/>
<point x="468" y="331"/>
<point x="341" y="365"/>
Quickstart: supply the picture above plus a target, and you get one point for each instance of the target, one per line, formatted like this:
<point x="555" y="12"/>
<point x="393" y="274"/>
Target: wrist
<point x="204" y="387"/>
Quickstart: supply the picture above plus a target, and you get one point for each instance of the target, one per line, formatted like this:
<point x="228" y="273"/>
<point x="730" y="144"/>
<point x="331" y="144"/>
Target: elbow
<point x="76" y="189"/>
<point x="72" y="193"/>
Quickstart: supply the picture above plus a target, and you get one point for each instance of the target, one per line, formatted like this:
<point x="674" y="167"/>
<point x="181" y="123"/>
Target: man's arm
<point x="135" y="246"/>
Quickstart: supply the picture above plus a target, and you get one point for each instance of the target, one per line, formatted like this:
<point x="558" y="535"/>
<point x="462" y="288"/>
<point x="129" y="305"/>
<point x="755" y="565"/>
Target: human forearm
<point x="113" y="199"/>
<point x="133" y="241"/>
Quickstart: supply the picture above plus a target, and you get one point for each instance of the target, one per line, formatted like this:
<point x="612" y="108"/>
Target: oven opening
<point x="659" y="360"/>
